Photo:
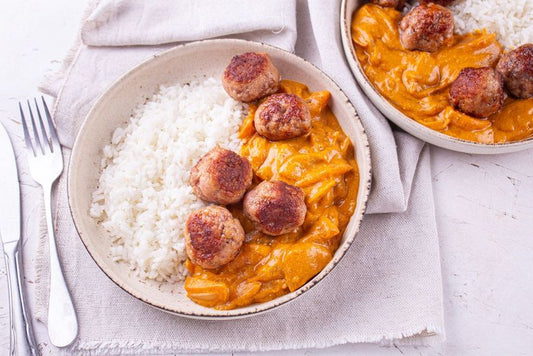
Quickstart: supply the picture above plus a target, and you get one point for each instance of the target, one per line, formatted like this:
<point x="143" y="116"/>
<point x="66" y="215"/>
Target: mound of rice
<point x="511" y="20"/>
<point x="143" y="198"/>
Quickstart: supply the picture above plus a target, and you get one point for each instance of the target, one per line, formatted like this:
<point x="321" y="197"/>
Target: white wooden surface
<point x="484" y="208"/>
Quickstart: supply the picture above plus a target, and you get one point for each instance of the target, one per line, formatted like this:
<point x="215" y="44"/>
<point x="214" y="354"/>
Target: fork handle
<point x="22" y="340"/>
<point x="62" y="321"/>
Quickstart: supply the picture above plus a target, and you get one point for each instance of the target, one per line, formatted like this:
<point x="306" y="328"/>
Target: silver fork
<point x="46" y="164"/>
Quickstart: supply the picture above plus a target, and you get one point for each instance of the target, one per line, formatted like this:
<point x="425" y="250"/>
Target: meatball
<point x="250" y="76"/>
<point x="213" y="237"/>
<point x="275" y="207"/>
<point x="439" y="2"/>
<point x="477" y="92"/>
<point x="221" y="176"/>
<point x="282" y="116"/>
<point x="398" y="4"/>
<point x="426" y="28"/>
<point x="516" y="68"/>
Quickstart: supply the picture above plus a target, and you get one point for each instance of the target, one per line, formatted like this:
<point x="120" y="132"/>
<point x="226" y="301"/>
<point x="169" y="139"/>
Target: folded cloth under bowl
<point x="386" y="289"/>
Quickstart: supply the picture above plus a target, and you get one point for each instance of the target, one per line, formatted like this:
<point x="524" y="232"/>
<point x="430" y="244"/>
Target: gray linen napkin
<point x="388" y="286"/>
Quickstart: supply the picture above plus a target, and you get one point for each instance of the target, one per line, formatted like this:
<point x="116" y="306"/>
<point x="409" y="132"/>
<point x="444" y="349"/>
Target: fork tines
<point x="45" y="138"/>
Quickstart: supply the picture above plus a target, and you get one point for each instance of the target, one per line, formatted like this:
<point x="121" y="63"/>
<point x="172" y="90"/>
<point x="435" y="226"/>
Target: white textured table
<point x="484" y="208"/>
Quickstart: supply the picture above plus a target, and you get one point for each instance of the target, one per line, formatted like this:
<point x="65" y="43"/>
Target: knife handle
<point x="22" y="340"/>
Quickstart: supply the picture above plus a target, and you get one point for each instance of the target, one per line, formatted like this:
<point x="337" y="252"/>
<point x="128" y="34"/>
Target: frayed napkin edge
<point x="53" y="81"/>
<point x="422" y="336"/>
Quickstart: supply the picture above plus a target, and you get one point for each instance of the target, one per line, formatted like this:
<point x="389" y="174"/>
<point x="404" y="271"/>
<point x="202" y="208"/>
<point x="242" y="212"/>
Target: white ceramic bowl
<point x="348" y="7"/>
<point x="179" y="65"/>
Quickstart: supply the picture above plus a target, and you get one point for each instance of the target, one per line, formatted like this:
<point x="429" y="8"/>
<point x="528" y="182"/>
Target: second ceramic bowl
<point x="348" y="7"/>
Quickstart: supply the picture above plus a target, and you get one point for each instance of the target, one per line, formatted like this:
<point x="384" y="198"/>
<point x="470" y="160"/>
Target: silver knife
<point x="22" y="339"/>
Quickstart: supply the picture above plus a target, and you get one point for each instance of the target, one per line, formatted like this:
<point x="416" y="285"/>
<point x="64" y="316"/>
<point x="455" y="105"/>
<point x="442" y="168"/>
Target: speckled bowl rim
<point x="364" y="191"/>
<point x="403" y="121"/>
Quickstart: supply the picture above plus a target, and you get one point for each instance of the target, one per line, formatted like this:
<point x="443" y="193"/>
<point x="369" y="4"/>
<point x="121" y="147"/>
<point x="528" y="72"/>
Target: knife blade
<point x="22" y="339"/>
<point x="9" y="190"/>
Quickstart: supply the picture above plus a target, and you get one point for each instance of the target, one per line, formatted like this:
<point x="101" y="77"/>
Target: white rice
<point x="511" y="20"/>
<point x="143" y="198"/>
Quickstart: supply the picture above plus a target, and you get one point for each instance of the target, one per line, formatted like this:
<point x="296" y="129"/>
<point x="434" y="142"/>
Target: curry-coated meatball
<point x="250" y="76"/>
<point x="516" y="68"/>
<point x="213" y="237"/>
<point x="275" y="207"/>
<point x="439" y="2"/>
<point x="282" y="116"/>
<point x="398" y="4"/>
<point x="221" y="176"/>
<point x="477" y="92"/>
<point x="426" y="28"/>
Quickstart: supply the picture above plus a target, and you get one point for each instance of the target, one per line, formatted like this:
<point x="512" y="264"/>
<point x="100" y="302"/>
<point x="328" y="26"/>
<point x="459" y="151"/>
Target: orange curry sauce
<point x="417" y="83"/>
<point x="322" y="164"/>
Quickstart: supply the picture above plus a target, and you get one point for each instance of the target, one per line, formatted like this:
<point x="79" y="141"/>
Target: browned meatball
<point x="516" y="68"/>
<point x="390" y="3"/>
<point x="221" y="176"/>
<point x="250" y="76"/>
<point x="426" y="28"/>
<point x="477" y="92"/>
<point x="275" y="207"/>
<point x="282" y="116"/>
<point x="439" y="2"/>
<point x="213" y="237"/>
